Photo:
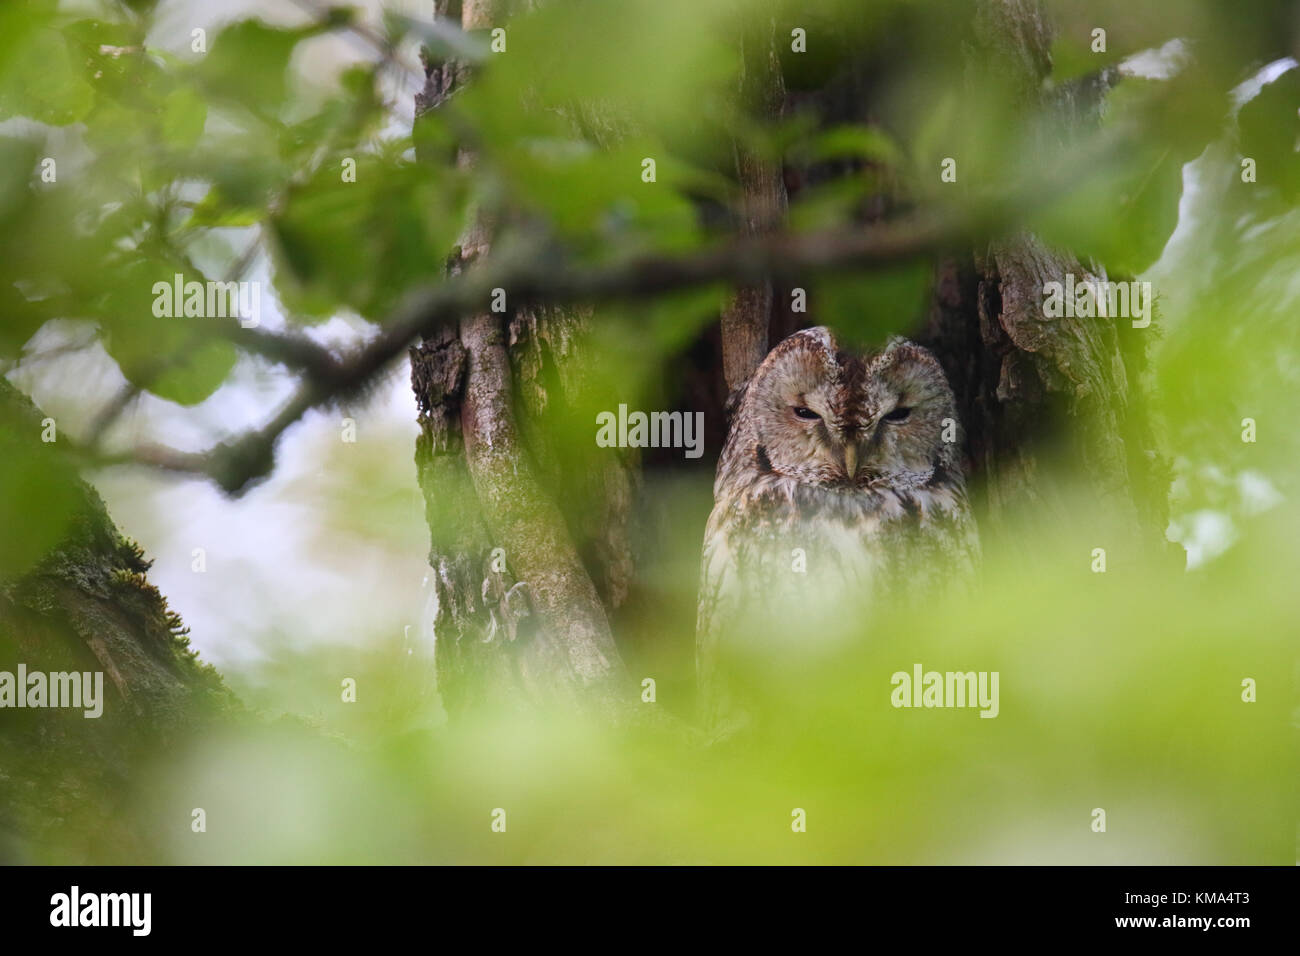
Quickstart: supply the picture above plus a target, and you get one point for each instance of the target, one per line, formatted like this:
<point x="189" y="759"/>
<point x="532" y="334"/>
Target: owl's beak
<point x="850" y="461"/>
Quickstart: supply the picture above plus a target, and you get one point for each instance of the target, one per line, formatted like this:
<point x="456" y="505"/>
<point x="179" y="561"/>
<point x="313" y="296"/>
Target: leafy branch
<point x="532" y="274"/>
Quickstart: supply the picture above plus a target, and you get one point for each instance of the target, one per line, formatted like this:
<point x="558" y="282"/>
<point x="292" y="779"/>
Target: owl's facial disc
<point x="828" y="417"/>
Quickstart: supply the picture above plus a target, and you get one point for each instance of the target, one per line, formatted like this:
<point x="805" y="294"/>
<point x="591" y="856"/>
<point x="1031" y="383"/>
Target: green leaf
<point x="18" y="170"/>
<point x="248" y="64"/>
<point x="855" y="142"/>
<point x="597" y="198"/>
<point x="40" y="79"/>
<point x="183" y="117"/>
<point x="174" y="358"/>
<point x="197" y="373"/>
<point x="362" y="244"/>
<point x="867" y="309"/>
<point x="177" y="357"/>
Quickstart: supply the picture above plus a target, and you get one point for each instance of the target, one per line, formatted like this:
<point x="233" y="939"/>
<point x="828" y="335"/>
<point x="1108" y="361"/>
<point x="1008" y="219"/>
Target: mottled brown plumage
<point x="847" y="464"/>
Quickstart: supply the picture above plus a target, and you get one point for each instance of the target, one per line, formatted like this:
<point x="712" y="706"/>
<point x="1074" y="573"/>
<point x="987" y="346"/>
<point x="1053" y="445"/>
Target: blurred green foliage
<point x="1116" y="692"/>
<point x="1120" y="691"/>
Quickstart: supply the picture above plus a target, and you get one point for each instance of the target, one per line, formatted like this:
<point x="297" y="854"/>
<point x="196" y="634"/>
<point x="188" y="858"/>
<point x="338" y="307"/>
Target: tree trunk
<point x="747" y="318"/>
<point x="523" y="586"/>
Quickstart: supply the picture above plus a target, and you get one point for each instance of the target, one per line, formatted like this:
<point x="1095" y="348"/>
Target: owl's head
<point x="824" y="416"/>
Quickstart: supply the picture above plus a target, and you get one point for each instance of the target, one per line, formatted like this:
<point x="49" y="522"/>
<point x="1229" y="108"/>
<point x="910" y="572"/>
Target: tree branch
<point x="533" y="274"/>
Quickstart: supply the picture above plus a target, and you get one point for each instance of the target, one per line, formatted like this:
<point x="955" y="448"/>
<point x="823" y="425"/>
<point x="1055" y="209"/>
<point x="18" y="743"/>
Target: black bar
<point x="330" y="905"/>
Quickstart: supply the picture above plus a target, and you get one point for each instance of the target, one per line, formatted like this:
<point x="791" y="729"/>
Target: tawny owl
<point x="840" y="481"/>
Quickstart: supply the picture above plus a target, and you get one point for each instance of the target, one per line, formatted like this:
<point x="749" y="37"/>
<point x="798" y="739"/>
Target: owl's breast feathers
<point x="784" y="560"/>
<point x="769" y="502"/>
<point x="899" y="539"/>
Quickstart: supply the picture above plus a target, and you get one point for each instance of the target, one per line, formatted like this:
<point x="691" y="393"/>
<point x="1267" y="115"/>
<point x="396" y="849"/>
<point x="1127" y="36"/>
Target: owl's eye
<point x="898" y="415"/>
<point x="807" y="414"/>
